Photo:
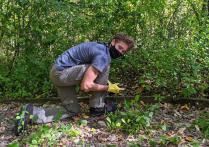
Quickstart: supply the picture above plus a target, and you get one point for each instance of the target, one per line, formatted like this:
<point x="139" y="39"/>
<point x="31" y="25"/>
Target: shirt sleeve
<point x="100" y="60"/>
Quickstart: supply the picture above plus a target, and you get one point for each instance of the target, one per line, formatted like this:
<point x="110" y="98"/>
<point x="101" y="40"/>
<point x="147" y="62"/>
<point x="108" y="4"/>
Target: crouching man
<point x="86" y="64"/>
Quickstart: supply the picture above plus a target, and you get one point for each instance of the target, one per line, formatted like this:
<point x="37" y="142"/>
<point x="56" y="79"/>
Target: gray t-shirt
<point x="93" y="53"/>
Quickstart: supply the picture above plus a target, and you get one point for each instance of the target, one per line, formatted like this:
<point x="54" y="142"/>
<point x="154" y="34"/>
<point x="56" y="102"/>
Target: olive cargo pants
<point x="65" y="82"/>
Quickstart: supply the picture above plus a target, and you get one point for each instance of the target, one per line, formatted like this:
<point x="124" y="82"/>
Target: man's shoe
<point x="109" y="107"/>
<point x="23" y="118"/>
<point x="97" y="111"/>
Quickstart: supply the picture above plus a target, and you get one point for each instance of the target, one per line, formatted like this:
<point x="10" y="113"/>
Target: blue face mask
<point x="114" y="53"/>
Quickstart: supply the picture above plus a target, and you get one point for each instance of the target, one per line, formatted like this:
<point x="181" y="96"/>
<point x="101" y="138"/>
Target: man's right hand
<point x="114" y="88"/>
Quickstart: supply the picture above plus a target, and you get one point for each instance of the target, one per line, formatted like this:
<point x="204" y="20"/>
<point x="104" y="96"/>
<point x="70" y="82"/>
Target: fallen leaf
<point x="181" y="130"/>
<point x="101" y="123"/>
<point x="112" y="138"/>
<point x="197" y="128"/>
<point x="102" y="136"/>
<point x="188" y="138"/>
<point x="176" y="113"/>
<point x="85" y="116"/>
<point x="162" y="121"/>
<point x="142" y="103"/>
<point x="76" y="140"/>
<point x="139" y="89"/>
<point x="93" y="130"/>
<point x="184" y="108"/>
<point x="170" y="133"/>
<point x="76" y="118"/>
<point x="165" y="105"/>
<point x="131" y="138"/>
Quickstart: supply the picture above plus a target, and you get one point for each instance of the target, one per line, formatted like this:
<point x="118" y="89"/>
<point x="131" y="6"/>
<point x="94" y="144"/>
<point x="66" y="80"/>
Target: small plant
<point x="44" y="135"/>
<point x="133" y="118"/>
<point x="74" y="133"/>
<point x="153" y="143"/>
<point x="195" y="143"/>
<point x="21" y="120"/>
<point x="158" y="97"/>
<point x="47" y="135"/>
<point x="14" y="144"/>
<point x="203" y="123"/>
<point x="165" y="140"/>
<point x="82" y="122"/>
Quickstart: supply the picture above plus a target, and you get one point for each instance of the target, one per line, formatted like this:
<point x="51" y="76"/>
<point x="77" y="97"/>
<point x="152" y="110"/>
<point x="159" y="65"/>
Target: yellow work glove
<point x="114" y="88"/>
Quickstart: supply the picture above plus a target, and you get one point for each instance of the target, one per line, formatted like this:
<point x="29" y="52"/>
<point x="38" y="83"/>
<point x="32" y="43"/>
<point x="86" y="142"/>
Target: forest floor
<point x="171" y="125"/>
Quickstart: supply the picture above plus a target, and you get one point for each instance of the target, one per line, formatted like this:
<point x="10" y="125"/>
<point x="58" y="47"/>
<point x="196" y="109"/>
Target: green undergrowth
<point x="48" y="135"/>
<point x="203" y="123"/>
<point x="132" y="118"/>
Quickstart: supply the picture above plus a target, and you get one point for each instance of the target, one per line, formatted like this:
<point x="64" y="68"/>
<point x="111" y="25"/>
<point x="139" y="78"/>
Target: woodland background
<point x="171" y="57"/>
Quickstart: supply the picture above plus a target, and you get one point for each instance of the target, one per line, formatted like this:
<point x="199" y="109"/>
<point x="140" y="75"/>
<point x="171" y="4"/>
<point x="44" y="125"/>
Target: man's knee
<point x="72" y="108"/>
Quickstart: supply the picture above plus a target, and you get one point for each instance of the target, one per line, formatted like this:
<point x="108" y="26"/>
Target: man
<point x="87" y="65"/>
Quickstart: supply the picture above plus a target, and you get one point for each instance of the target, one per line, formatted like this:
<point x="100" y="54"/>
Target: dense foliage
<point x="172" y="36"/>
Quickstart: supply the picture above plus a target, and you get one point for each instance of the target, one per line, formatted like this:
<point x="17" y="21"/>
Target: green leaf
<point x="31" y="117"/>
<point x="73" y="133"/>
<point x="118" y="124"/>
<point x="18" y="117"/>
<point x="108" y="120"/>
<point x="123" y="120"/>
<point x="34" y="142"/>
<point x="82" y="122"/>
<point x="150" y="114"/>
<point x="164" y="127"/>
<point x="15" y="144"/>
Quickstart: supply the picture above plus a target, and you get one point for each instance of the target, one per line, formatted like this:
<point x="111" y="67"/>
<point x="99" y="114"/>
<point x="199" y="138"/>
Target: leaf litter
<point x="171" y="125"/>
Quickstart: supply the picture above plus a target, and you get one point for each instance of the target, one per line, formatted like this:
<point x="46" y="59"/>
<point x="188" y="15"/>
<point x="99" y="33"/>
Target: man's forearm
<point x="98" y="87"/>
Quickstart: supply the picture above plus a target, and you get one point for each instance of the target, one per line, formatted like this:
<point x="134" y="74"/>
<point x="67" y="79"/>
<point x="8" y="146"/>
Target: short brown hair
<point x="125" y="38"/>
